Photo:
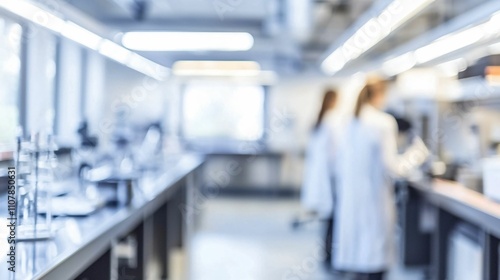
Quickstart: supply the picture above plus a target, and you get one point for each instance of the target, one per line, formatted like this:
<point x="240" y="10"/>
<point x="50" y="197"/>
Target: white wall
<point x="298" y="99"/>
<point x="140" y="96"/>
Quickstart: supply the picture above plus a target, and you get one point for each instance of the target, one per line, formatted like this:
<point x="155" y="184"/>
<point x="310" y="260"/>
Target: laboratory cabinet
<point x="253" y="172"/>
<point x="451" y="230"/>
<point x="465" y="247"/>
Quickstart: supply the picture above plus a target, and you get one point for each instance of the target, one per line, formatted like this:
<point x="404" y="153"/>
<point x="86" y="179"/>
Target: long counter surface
<point x="79" y="241"/>
<point x="462" y="202"/>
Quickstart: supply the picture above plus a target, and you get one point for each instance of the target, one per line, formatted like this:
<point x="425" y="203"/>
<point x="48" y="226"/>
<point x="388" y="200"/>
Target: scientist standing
<point x="366" y="161"/>
<point x="317" y="194"/>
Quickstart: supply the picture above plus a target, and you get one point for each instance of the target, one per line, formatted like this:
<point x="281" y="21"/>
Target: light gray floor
<point x="252" y="239"/>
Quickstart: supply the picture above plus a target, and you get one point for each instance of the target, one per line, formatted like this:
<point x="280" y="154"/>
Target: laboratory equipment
<point x="35" y="162"/>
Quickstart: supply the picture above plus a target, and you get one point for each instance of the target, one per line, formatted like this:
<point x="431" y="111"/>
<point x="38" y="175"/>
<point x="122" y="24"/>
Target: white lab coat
<point x="316" y="193"/>
<point x="366" y="160"/>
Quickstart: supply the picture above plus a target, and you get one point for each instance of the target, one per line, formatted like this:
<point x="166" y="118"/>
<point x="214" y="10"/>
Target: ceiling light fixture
<point x="449" y="43"/>
<point x="494" y="49"/>
<point x="115" y="51"/>
<point x="33" y="13"/>
<point x="372" y="32"/>
<point x="216" y="68"/>
<point x="480" y="32"/>
<point x="81" y="35"/>
<point x="188" y="41"/>
<point x="399" y="64"/>
<point x="74" y="32"/>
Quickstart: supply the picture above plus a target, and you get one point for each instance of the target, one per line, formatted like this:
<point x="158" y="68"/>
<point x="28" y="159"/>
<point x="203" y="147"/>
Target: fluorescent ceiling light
<point x="491" y="27"/>
<point x="399" y="64"/>
<point x="217" y="73"/>
<point x="494" y="49"/>
<point x="188" y="41"/>
<point x="141" y="64"/>
<point x="46" y="19"/>
<point x="405" y="10"/>
<point x="479" y="33"/>
<point x="213" y="64"/>
<point x="81" y="35"/>
<point x="114" y="51"/>
<point x="449" y="44"/>
<point x="334" y="62"/>
<point x="459" y="40"/>
<point x="216" y="68"/>
<point x="372" y="32"/>
<point x="33" y="13"/>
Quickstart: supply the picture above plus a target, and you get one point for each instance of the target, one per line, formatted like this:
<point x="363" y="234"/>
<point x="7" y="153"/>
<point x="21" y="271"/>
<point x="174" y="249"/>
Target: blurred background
<point x="123" y="92"/>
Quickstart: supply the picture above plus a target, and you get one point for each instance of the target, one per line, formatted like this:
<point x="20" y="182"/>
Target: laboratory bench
<point x="251" y="169"/>
<point x="434" y="214"/>
<point x="118" y="242"/>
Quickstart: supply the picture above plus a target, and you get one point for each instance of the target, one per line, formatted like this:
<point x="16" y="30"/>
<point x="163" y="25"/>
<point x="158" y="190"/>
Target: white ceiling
<point x="279" y="40"/>
<point x="218" y="10"/>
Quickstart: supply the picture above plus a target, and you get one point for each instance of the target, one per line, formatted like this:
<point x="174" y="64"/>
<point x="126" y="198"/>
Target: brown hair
<point x="329" y="98"/>
<point x="364" y="97"/>
<point x="367" y="94"/>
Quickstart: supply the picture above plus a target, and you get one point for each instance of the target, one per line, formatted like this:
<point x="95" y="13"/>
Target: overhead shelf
<point x="471" y="89"/>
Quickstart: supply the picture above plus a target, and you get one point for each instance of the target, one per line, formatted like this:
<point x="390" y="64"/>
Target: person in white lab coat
<point x="317" y="172"/>
<point x="366" y="160"/>
<point x="317" y="195"/>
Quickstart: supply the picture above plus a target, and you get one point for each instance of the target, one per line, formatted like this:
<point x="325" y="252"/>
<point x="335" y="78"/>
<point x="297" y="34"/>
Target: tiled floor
<point x="252" y="239"/>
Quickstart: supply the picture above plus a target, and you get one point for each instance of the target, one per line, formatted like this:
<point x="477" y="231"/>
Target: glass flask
<point x="35" y="161"/>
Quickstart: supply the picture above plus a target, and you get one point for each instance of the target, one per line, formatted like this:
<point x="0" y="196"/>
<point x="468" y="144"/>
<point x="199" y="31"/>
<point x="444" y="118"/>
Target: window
<point x="223" y="111"/>
<point x="10" y="66"/>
